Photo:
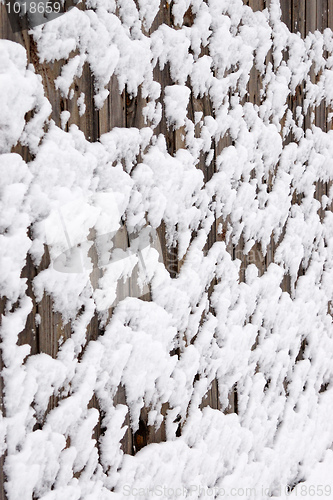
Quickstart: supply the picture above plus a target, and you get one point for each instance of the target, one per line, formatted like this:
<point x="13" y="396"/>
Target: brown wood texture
<point x="124" y="110"/>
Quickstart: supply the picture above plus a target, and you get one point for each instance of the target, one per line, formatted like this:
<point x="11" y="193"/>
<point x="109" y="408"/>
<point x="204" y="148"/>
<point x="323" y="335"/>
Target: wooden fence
<point x="300" y="16"/>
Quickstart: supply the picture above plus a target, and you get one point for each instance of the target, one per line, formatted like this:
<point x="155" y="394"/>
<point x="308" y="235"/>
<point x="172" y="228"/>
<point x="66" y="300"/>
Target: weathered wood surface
<point x="123" y="110"/>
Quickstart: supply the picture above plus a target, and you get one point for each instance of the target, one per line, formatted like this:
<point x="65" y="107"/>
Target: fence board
<point x="330" y="14"/>
<point x="298" y="17"/>
<point x="286" y="9"/>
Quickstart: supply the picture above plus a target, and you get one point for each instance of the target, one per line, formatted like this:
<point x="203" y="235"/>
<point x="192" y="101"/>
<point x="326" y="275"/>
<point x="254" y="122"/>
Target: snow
<point x="21" y="92"/>
<point x="176" y="101"/>
<point x="84" y="201"/>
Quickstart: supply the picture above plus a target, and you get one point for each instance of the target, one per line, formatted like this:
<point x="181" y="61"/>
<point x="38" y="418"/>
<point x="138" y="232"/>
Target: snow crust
<point x="247" y="334"/>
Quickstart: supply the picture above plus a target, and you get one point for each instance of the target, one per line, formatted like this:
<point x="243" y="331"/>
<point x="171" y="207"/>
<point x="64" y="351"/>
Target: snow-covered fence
<point x="208" y="125"/>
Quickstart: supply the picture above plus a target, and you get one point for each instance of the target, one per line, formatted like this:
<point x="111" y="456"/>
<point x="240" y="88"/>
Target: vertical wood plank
<point x="320" y="111"/>
<point x="321" y="24"/>
<point x="30" y="333"/>
<point x="127" y="440"/>
<point x="330" y="14"/>
<point x="51" y="329"/>
<point x="298" y="17"/>
<point x="6" y="31"/>
<point x="163" y="78"/>
<point x="256" y="5"/>
<point x="3" y="411"/>
<point x="286" y="9"/>
<point x="310" y="27"/>
<point x="311" y="15"/>
<point x="149" y="434"/>
<point x="113" y="112"/>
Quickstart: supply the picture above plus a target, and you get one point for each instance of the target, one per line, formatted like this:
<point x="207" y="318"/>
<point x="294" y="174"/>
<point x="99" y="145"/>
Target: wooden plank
<point x="286" y="9"/>
<point x="322" y="22"/>
<point x="310" y="27"/>
<point x="30" y="333"/>
<point x="212" y="399"/>
<point x="2" y="478"/>
<point x="164" y="79"/>
<point x="88" y="122"/>
<point x="256" y="5"/>
<point x="6" y="31"/>
<point x="149" y="434"/>
<point x="3" y="411"/>
<point x="255" y="255"/>
<point x="330" y="14"/>
<point x="127" y="440"/>
<point x="113" y="112"/>
<point x="50" y="329"/>
<point x="19" y="37"/>
<point x="311" y="15"/>
<point x="298" y="17"/>
<point x="222" y="143"/>
<point x="329" y="110"/>
<point x="204" y="106"/>
<point x="320" y="111"/>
